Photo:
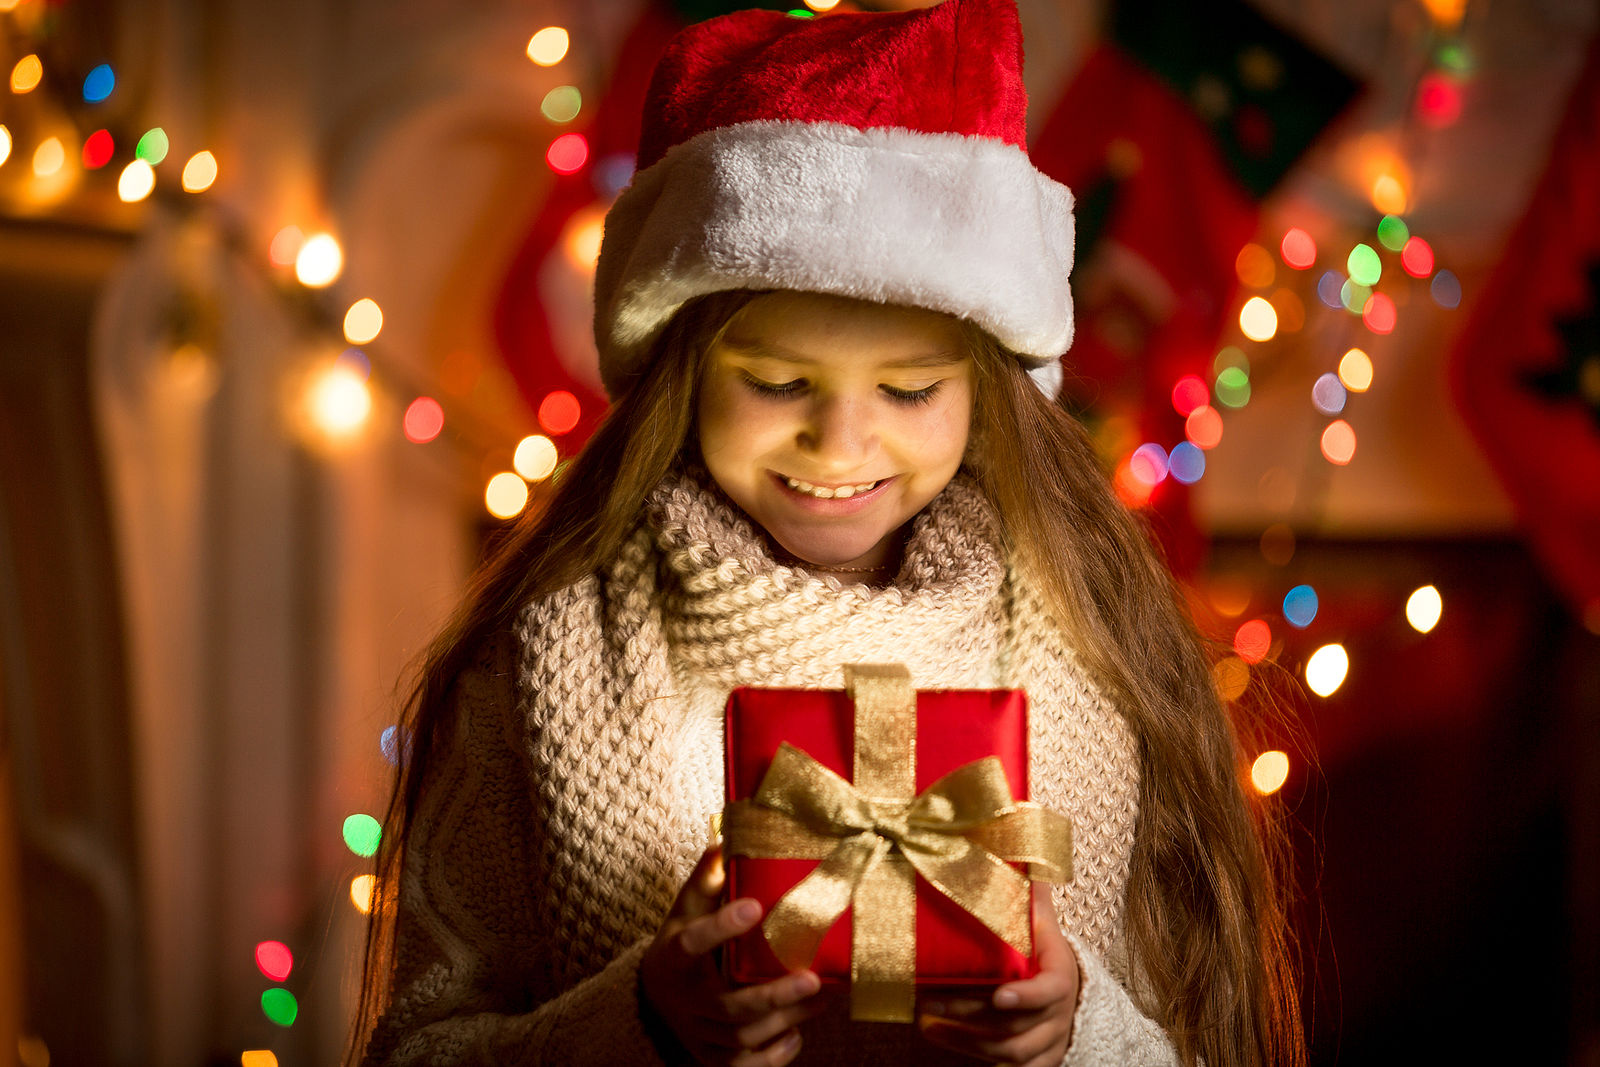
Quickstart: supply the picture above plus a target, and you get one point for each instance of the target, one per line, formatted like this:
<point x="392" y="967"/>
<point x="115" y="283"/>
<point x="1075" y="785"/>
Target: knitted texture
<point x="575" y="797"/>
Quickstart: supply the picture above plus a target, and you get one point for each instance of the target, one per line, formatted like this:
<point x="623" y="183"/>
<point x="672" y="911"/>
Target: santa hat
<point x="876" y="156"/>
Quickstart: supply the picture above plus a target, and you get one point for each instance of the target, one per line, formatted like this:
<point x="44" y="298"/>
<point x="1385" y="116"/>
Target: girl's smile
<point x="832" y="422"/>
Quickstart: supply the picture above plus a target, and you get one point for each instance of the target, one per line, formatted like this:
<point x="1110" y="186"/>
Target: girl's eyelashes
<point x="775" y="389"/>
<point x="913" y="396"/>
<point x="798" y="385"/>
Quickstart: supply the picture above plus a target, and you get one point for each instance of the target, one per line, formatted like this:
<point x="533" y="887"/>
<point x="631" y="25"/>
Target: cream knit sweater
<point x="574" y="796"/>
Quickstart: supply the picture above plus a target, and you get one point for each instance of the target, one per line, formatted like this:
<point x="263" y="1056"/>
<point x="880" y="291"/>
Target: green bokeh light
<point x="1365" y="267"/>
<point x="562" y="103"/>
<point x="362" y="834"/>
<point x="1393" y="233"/>
<point x="1233" y="387"/>
<point x="280" y="1006"/>
<point x="153" y="146"/>
<point x="1231" y="356"/>
<point x="1354" y="297"/>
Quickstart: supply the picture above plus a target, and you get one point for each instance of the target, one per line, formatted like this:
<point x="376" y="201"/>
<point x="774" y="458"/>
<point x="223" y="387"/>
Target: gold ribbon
<point x="961" y="834"/>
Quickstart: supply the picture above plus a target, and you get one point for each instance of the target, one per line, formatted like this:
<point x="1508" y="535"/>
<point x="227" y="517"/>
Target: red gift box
<point x="950" y="730"/>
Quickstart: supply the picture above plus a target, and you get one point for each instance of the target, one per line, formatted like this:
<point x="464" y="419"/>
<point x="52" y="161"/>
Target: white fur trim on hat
<point x="948" y="222"/>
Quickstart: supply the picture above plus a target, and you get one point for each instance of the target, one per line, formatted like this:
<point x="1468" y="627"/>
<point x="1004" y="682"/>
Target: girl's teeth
<point x="824" y="493"/>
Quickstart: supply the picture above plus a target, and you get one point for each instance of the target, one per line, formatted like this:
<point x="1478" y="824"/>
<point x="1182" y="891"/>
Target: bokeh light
<point x="49" y="157"/>
<point x="1388" y="194"/>
<point x="1417" y="258"/>
<point x="355" y="361"/>
<point x="1252" y="641"/>
<point x="1379" y="313"/>
<point x="423" y="420"/>
<point x="319" y="261"/>
<point x="1355" y="371"/>
<point x="338" y="400"/>
<point x="1300" y="606"/>
<point x="200" y="172"/>
<point x="1438" y="101"/>
<point x="1393" y="232"/>
<point x="1328" y="394"/>
<point x="389" y="744"/>
<point x="362" y="834"/>
<point x="1326" y="669"/>
<point x="279" y="1006"/>
<point x="99" y="83"/>
<point x="153" y="146"/>
<point x="1230" y="356"/>
<point x="258" y="1057"/>
<point x="1423" y="609"/>
<point x="559" y="412"/>
<point x="1148" y="464"/>
<point x="549" y="46"/>
<point x="1233" y="387"/>
<point x="1363" y="265"/>
<point x="274" y="960"/>
<point x="1189" y="393"/>
<point x="1204" y="427"/>
<point x="1446" y="290"/>
<point x="1291" y="311"/>
<point x="1254" y="266"/>
<point x="1353" y="296"/>
<point x="582" y="237"/>
<point x="98" y="149"/>
<point x="535" y="457"/>
<point x="5" y="143"/>
<point x="363" y="321"/>
<point x="1278" y="541"/>
<point x="137" y="181"/>
<point x="562" y="104"/>
<point x="1339" y="443"/>
<point x="285" y="247"/>
<point x="506" y="495"/>
<point x="361" y="889"/>
<point x="822" y="5"/>
<point x="26" y="74"/>
<point x="1258" y="320"/>
<point x="1269" y="771"/>
<point x="1186" y="464"/>
<point x="1298" y="249"/>
<point x="1329" y="288"/>
<point x="1232" y="677"/>
<point x="1230" y="595"/>
<point x="568" y="153"/>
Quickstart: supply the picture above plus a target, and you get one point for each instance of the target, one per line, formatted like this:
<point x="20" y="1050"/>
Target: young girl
<point x="828" y="309"/>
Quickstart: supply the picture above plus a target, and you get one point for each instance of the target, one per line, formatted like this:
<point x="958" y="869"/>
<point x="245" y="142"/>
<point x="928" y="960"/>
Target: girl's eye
<point x="774" y="389"/>
<point x="913" y="396"/>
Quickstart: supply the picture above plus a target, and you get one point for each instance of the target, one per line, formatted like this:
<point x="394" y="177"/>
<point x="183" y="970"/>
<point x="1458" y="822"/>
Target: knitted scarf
<point x="625" y="674"/>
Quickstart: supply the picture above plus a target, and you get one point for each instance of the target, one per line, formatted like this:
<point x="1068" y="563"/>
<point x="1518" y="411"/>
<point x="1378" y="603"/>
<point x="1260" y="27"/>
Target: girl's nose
<point x="838" y="430"/>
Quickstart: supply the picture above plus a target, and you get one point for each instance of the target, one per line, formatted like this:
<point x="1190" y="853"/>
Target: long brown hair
<point x="1205" y="914"/>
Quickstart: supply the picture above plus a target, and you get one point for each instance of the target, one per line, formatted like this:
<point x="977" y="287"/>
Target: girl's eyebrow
<point x="777" y="353"/>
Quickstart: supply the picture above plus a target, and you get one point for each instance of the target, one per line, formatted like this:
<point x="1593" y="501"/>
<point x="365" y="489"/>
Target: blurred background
<point x="294" y="312"/>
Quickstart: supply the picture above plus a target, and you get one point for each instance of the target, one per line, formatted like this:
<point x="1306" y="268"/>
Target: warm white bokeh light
<point x="1326" y="669"/>
<point x="1269" y="772"/>
<point x="549" y="46"/>
<point x="535" y="458"/>
<point x="363" y="322"/>
<point x="200" y="172"/>
<point x="506" y="495"/>
<point x="1423" y="609"/>
<point x="361" y="887"/>
<point x="318" y="262"/>
<point x="339" y="401"/>
<point x="138" y="181"/>
<point x="1258" y="319"/>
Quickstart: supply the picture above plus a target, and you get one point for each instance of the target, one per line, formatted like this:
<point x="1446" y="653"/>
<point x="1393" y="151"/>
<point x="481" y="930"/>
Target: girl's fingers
<point x="702" y="935"/>
<point x="752" y="1002"/>
<point x="779" y="1052"/>
<point x="774" y="1024"/>
<point x="987" y="1045"/>
<point x="1033" y="994"/>
<point x="701" y="894"/>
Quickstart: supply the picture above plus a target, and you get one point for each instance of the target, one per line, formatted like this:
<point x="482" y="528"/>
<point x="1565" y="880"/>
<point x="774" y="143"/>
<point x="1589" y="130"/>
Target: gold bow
<point x="961" y="834"/>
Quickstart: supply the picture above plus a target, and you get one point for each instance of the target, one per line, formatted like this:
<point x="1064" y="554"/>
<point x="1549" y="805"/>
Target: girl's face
<point x="832" y="422"/>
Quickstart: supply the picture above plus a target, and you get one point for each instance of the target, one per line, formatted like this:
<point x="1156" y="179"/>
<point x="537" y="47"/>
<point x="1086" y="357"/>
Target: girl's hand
<point x="751" y="1026"/>
<point x="1026" y="1022"/>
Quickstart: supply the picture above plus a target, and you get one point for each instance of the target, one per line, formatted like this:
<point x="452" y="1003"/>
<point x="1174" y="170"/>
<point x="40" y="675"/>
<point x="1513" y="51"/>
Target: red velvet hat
<point x="876" y="156"/>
